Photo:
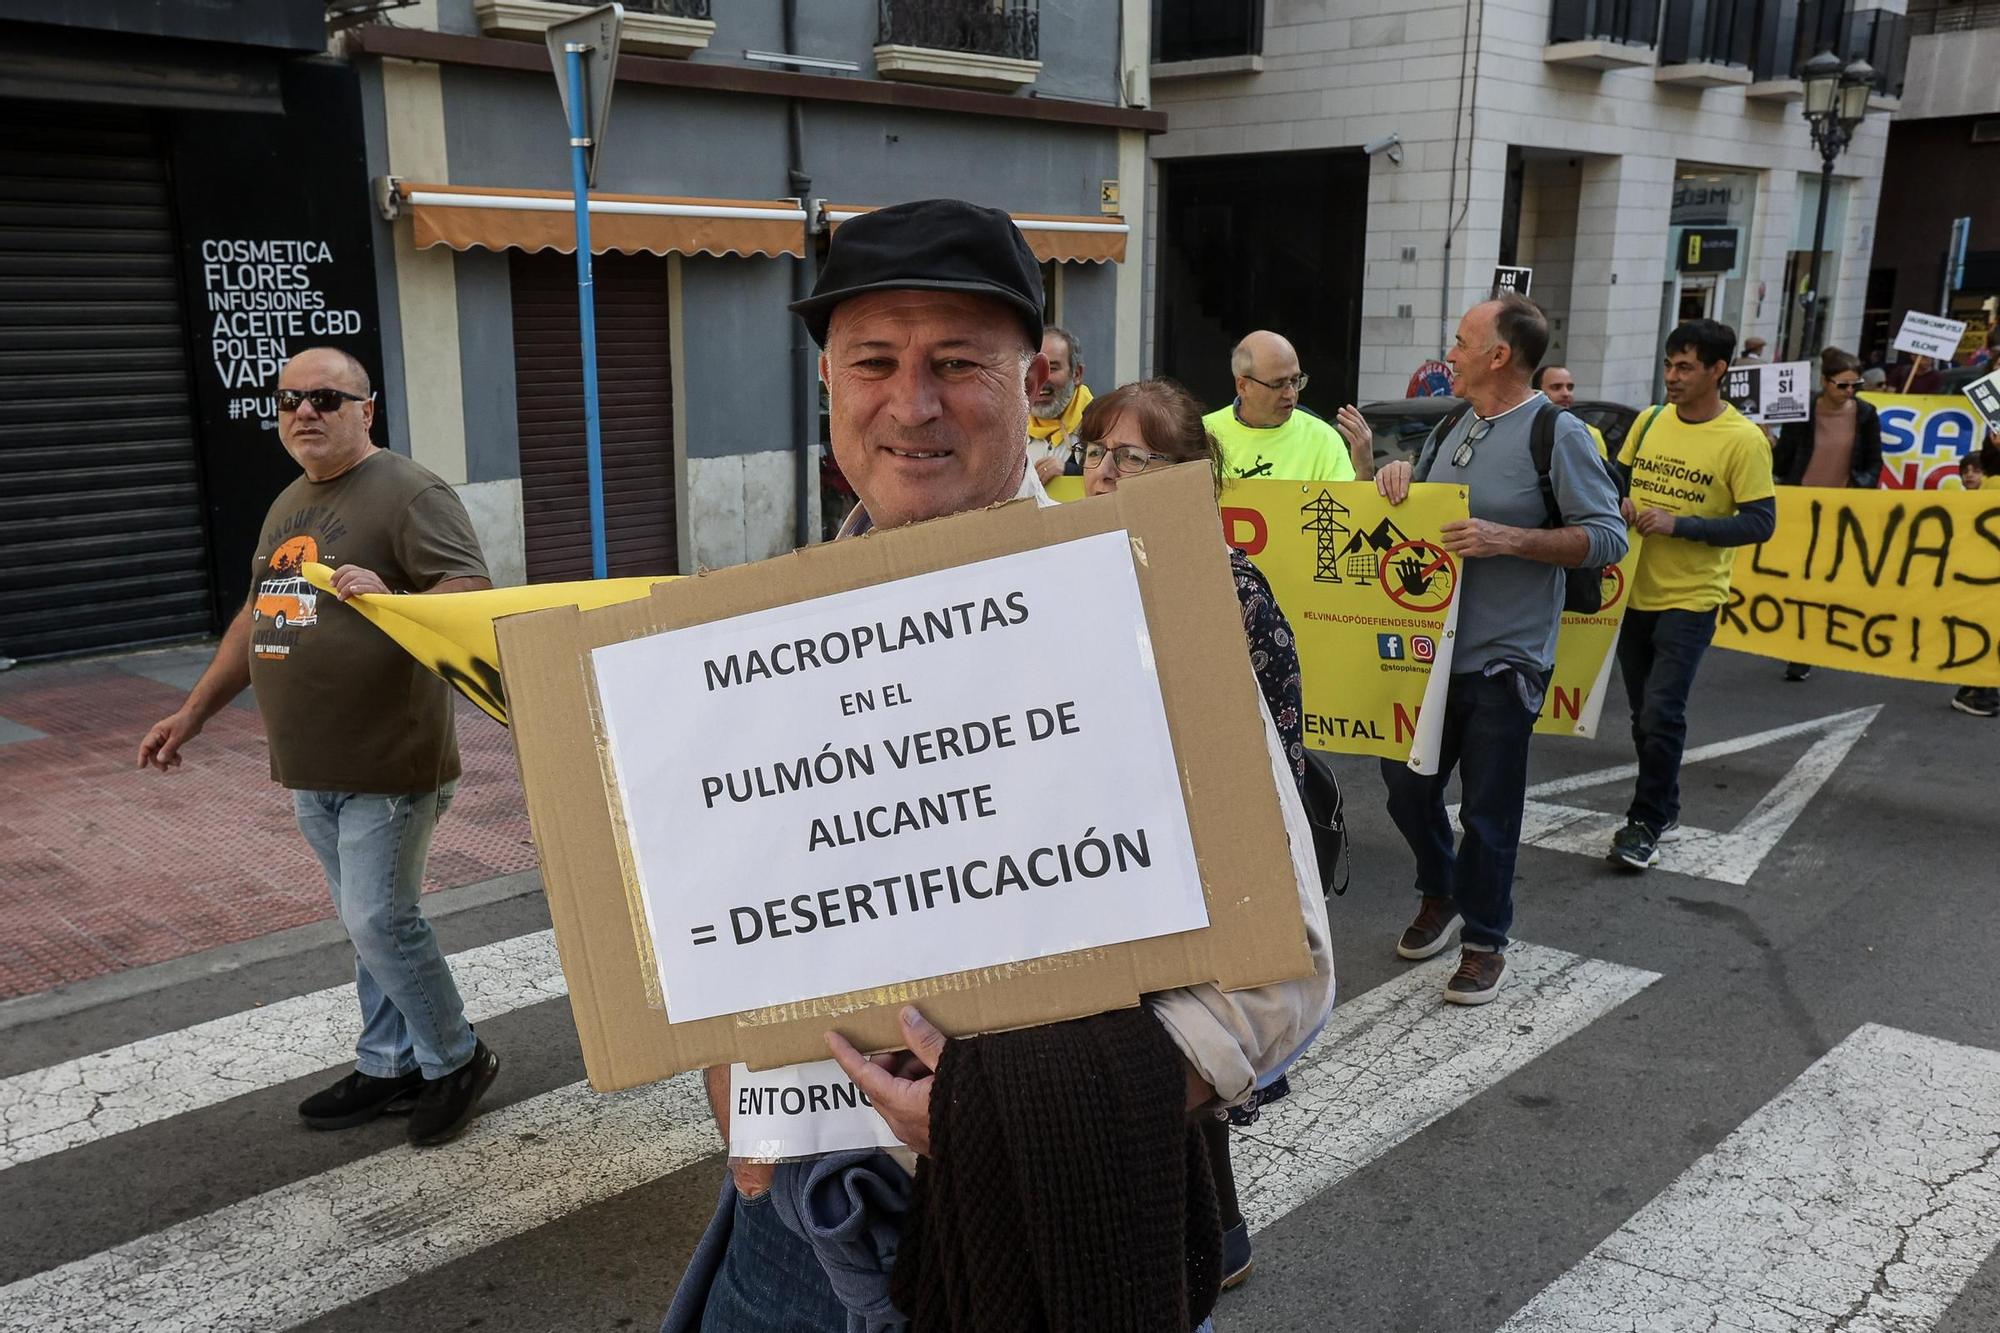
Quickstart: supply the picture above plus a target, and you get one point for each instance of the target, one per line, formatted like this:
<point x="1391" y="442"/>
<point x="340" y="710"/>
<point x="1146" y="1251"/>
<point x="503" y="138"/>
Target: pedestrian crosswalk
<point x="1864" y="1195"/>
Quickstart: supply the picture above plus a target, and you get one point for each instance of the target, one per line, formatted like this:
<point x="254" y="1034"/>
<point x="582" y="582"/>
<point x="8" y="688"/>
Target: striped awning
<point x="471" y="218"/>
<point x="1052" y="236"/>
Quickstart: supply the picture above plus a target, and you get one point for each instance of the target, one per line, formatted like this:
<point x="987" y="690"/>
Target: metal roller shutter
<point x="635" y="404"/>
<point x="101" y="534"/>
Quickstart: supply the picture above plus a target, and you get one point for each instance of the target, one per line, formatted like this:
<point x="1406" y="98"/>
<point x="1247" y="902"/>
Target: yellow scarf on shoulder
<point x="1058" y="430"/>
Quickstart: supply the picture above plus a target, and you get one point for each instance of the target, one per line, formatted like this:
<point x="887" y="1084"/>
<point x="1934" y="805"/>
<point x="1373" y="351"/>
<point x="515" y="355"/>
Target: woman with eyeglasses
<point x="1134" y="429"/>
<point x="1840" y="445"/>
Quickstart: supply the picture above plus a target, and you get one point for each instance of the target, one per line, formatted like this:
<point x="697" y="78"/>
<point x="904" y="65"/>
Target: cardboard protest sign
<point x="1226" y="803"/>
<point x="1771" y="395"/>
<point x="1933" y="336"/>
<point x="920" y="830"/>
<point x="1585" y="650"/>
<point x="1923" y="437"/>
<point x="800" y="1111"/>
<point x="1984" y="395"/>
<point x="1885" y="582"/>
<point x="1372" y="597"/>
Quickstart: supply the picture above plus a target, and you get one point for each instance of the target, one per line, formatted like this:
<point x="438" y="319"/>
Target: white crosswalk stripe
<point x="314" y="1246"/>
<point x="79" y="1101"/>
<point x="1863" y="1197"/>
<point x="1395" y="1059"/>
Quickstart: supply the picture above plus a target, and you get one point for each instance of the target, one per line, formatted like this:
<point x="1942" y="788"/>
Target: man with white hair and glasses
<point x="1510" y="590"/>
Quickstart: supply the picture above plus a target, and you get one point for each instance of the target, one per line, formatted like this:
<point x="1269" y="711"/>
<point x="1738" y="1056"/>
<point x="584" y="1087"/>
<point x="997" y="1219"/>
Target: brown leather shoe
<point x="1431" y="931"/>
<point x="1477" y="979"/>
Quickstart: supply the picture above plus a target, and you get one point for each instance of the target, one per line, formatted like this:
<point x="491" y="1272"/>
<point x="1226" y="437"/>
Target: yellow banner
<point x="1923" y="437"/>
<point x="452" y="633"/>
<point x="1585" y="656"/>
<point x="1372" y="597"/>
<point x="1894" y="583"/>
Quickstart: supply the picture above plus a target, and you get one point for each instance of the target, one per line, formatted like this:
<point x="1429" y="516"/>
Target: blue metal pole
<point x="586" y="302"/>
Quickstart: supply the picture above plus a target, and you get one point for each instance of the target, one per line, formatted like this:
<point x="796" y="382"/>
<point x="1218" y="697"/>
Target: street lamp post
<point x="1836" y="98"/>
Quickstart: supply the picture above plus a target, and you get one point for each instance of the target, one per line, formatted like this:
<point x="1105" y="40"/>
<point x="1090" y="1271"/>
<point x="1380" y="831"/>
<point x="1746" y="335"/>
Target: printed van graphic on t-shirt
<point x="286" y="606"/>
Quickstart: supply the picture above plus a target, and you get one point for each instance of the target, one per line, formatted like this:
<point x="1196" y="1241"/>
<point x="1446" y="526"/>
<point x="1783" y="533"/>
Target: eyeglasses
<point x="324" y="401"/>
<point x="1296" y="382"/>
<point x="1462" y="455"/>
<point x="1847" y="386"/>
<point x="1129" y="459"/>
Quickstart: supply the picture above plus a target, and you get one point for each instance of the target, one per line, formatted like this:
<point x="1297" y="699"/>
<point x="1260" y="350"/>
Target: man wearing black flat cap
<point x="928" y="317"/>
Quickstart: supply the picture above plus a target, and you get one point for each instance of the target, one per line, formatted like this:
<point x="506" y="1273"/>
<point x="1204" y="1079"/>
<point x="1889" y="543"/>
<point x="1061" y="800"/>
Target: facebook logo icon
<point x="1389" y="646"/>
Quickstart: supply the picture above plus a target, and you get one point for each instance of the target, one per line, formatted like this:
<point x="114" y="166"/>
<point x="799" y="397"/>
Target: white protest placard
<point x="800" y="1111"/>
<point x="955" y="770"/>
<point x="1771" y="395"/>
<point x="1985" y="395"/>
<point x="1933" y="336"/>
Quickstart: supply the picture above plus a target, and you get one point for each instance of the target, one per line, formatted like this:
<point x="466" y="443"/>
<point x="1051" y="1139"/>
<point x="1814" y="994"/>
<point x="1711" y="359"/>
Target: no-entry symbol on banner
<point x="1419" y="576"/>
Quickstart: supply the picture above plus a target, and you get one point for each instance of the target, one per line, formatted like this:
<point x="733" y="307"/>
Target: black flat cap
<point x="942" y="245"/>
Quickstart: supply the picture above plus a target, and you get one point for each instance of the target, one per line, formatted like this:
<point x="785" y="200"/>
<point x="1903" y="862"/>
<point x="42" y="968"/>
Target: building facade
<point x="193" y="190"/>
<point x="1433" y="143"/>
<point x="740" y="133"/>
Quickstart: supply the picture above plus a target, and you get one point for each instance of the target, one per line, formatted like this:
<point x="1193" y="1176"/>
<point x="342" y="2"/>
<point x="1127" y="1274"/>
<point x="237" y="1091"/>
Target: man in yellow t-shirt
<point x="1700" y="477"/>
<point x="1056" y="411"/>
<point x="1263" y="433"/>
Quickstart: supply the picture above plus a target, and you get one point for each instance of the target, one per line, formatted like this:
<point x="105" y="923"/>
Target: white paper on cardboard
<point x="1933" y="336"/>
<point x="1771" y="395"/>
<point x="956" y="770"/>
<point x="800" y="1111"/>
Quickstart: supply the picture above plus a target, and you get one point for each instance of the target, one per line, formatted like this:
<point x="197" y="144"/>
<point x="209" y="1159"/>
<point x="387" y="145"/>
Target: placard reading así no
<point x="950" y="771"/>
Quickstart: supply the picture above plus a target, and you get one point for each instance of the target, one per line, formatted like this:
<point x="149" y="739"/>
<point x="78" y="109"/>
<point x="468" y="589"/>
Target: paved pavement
<point x="104" y="867"/>
<point x="1760" y="1090"/>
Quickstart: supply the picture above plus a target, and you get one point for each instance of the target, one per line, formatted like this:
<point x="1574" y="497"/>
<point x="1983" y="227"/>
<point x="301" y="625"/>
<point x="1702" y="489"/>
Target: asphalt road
<point x="1701" y="1103"/>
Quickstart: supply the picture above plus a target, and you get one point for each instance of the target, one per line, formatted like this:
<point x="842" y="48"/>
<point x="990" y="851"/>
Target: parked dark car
<point x="1401" y="425"/>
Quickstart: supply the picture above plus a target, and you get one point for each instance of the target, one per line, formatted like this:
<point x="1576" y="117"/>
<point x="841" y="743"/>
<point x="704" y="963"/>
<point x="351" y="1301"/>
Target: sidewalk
<point x="105" y="867"/>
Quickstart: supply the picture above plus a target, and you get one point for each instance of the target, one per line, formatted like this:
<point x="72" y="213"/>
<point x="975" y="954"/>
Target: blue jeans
<point x="373" y="850"/>
<point x="770" y="1280"/>
<point x="1487" y="727"/>
<point x="1658" y="653"/>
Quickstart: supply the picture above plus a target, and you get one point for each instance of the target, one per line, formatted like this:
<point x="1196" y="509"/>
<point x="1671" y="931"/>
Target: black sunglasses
<point x="1462" y="455"/>
<point x="324" y="401"/>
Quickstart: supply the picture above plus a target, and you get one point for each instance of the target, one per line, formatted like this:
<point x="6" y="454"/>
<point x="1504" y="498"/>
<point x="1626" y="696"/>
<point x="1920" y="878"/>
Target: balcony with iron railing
<point x="672" y="28"/>
<point x="990" y="44"/>
<point x="1603" y="34"/>
<point x="1929" y="17"/>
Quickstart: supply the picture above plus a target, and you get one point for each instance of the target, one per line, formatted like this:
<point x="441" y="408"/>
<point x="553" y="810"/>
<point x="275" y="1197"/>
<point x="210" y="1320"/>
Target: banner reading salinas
<point x="1895" y="583"/>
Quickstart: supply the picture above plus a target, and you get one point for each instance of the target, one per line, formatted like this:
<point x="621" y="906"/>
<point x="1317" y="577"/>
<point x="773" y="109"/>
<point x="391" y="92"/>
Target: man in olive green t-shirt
<point x="1263" y="433"/>
<point x="359" y="731"/>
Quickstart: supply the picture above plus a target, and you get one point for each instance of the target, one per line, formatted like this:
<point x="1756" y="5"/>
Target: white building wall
<point x="1338" y="73"/>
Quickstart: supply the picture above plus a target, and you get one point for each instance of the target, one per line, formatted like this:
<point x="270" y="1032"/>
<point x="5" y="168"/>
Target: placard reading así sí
<point x="948" y="771"/>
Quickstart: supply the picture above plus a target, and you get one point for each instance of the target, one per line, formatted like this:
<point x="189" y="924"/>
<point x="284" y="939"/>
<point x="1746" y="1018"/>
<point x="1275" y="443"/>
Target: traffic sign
<point x="596" y="34"/>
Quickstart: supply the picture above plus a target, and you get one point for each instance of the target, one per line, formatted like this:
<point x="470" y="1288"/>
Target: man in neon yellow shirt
<point x="1700" y="487"/>
<point x="1264" y="435"/>
<point x="1559" y="387"/>
<point x="1055" y="412"/>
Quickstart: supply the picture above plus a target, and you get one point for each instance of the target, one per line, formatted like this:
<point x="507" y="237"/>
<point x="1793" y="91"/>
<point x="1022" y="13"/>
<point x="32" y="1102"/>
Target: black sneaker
<point x="1635" y="846"/>
<point x="1235" y="1255"/>
<point x="359" y="1098"/>
<point x="1977" y="702"/>
<point x="447" y="1104"/>
<point x="1797" y="671"/>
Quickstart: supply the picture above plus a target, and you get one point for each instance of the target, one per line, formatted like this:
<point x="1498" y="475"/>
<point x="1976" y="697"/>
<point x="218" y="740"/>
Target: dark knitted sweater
<point x="1067" y="1190"/>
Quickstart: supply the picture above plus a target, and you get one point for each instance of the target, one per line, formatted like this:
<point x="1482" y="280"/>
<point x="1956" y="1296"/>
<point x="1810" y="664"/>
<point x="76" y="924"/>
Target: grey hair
<point x="1240" y="360"/>
<point x="1069" y="341"/>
